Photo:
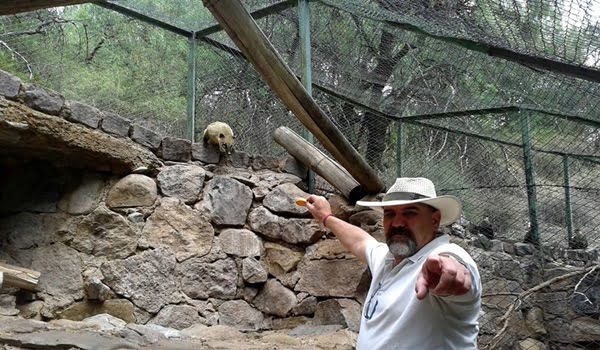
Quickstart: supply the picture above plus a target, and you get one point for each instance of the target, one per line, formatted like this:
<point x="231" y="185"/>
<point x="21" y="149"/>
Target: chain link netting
<point x="413" y="87"/>
<point x="230" y="90"/>
<point x="102" y="58"/>
<point x="565" y="30"/>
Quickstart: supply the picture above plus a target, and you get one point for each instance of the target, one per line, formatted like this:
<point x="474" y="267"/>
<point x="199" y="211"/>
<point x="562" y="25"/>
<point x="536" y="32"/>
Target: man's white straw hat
<point x="409" y="190"/>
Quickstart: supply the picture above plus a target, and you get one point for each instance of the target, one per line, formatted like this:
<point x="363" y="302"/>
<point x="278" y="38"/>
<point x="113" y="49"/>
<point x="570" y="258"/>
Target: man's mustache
<point x="400" y="231"/>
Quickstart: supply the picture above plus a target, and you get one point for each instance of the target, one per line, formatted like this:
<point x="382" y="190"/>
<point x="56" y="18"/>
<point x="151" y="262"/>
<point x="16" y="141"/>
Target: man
<point x="425" y="292"/>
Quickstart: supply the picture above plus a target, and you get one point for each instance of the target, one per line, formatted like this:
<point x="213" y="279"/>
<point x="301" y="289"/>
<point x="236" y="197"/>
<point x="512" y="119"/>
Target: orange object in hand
<point x="301" y="202"/>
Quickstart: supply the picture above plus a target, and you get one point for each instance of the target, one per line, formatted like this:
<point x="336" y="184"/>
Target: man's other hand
<point x="443" y="276"/>
<point x="318" y="206"/>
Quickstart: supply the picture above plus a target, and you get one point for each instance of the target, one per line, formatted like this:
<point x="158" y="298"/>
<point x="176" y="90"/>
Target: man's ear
<point x="437" y="217"/>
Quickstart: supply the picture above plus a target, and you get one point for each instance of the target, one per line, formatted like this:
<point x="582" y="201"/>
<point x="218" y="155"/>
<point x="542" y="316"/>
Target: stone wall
<point x="201" y="239"/>
<point x="556" y="302"/>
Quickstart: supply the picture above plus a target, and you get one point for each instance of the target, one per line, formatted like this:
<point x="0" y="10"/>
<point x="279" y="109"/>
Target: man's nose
<point x="398" y="221"/>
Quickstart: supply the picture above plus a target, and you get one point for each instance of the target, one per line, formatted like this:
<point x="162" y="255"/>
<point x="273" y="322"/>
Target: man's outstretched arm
<point x="352" y="237"/>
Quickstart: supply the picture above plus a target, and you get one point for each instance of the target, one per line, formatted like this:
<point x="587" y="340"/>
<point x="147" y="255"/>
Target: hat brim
<point x="449" y="206"/>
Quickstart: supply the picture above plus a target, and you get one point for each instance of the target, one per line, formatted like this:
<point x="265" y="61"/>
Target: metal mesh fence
<point x="417" y="87"/>
<point x="102" y="58"/>
<point x="557" y="29"/>
<point x="230" y="90"/>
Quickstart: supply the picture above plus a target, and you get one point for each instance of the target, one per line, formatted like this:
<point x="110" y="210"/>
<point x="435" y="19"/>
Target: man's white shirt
<point x="393" y="317"/>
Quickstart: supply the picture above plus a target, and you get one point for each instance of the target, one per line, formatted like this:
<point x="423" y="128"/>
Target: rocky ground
<point x="105" y="332"/>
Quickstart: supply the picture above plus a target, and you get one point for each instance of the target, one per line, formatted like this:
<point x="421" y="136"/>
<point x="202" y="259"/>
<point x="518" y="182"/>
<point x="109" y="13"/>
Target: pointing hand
<point x="443" y="276"/>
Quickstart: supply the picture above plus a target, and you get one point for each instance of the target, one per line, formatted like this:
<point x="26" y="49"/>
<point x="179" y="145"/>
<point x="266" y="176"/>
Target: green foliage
<point x="10" y="64"/>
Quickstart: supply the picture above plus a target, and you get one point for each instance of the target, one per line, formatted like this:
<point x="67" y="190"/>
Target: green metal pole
<point x="305" y="64"/>
<point x="534" y="234"/>
<point x="191" y="87"/>
<point x="400" y="132"/>
<point x="568" y="209"/>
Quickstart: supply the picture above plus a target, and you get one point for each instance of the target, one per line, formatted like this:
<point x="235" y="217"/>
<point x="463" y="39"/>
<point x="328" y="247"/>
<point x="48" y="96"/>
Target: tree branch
<point x="21" y="56"/>
<point x="39" y="29"/>
<point x="90" y="57"/>
<point x="500" y="294"/>
<point x="506" y="317"/>
<point x="575" y="292"/>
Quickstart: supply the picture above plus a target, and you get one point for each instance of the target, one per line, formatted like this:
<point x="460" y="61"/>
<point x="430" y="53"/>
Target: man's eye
<point x="388" y="214"/>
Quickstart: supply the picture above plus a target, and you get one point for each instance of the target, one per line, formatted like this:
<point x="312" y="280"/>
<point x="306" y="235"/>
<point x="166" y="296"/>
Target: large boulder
<point x="60" y="280"/>
<point x="182" y="181"/>
<point x="84" y="114"/>
<point x="85" y="197"/>
<point x="177" y="317"/>
<point x="105" y="233"/>
<point x="345" y="312"/>
<point x="253" y="271"/>
<point x="43" y="136"/>
<point x="201" y="280"/>
<point x="120" y="308"/>
<point x="9" y="85"/>
<point x="184" y="230"/>
<point x="240" y="242"/>
<point x="281" y="260"/>
<point x="282" y="200"/>
<point x="330" y="278"/>
<point x="294" y="231"/>
<point x="275" y="299"/>
<point x="241" y="315"/>
<point x="147" y="279"/>
<point x="133" y="190"/>
<point x="227" y="201"/>
<point x="42" y="99"/>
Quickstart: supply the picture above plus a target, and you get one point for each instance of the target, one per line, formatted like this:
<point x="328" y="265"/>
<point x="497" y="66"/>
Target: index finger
<point x="433" y="264"/>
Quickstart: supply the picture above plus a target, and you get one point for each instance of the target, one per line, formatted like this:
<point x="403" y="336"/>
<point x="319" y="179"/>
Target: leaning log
<point x="19" y="277"/>
<point x="244" y="31"/>
<point x="319" y="162"/>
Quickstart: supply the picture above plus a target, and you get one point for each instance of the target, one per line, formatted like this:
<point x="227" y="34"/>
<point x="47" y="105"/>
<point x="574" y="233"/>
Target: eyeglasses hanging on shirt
<point x="370" y="310"/>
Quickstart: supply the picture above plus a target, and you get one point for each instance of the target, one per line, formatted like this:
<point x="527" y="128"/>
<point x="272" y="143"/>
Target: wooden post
<point x="243" y="30"/>
<point x="534" y="234"/>
<point x="191" y="86"/>
<point x="19" y="277"/>
<point x="306" y="68"/>
<point x="399" y="150"/>
<point x="568" y="208"/>
<point x="319" y="162"/>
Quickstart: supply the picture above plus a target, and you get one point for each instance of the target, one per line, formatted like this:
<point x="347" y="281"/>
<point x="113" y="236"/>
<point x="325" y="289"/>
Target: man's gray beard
<point x="402" y="249"/>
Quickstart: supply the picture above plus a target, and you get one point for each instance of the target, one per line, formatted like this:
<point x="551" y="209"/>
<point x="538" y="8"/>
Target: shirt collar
<point x="426" y="250"/>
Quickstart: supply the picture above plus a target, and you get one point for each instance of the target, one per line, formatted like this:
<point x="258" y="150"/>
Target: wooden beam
<point x="19" y="277"/>
<point x="13" y="7"/>
<point x="244" y="31"/>
<point x="260" y="13"/>
<point x="319" y="162"/>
